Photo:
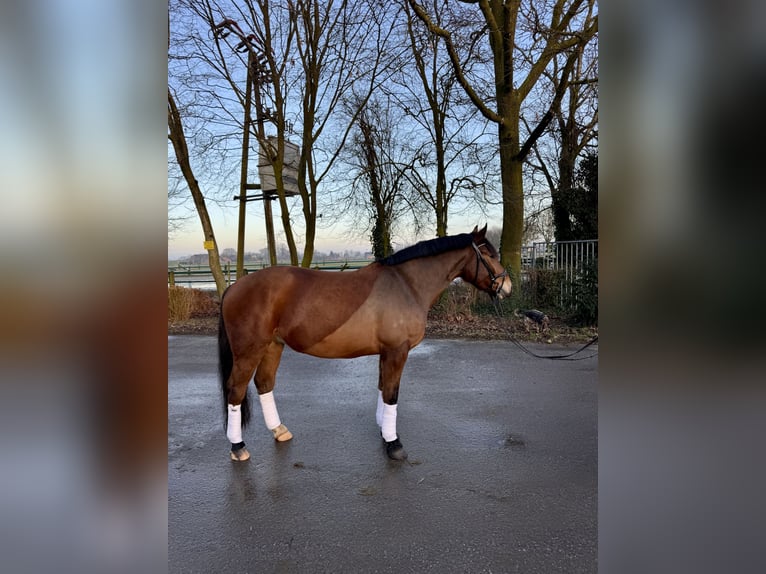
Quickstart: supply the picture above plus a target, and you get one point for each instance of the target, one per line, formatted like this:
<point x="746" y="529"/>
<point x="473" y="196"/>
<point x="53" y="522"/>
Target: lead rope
<point x="566" y="357"/>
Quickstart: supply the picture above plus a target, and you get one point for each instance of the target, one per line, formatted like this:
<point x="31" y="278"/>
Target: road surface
<point x="501" y="476"/>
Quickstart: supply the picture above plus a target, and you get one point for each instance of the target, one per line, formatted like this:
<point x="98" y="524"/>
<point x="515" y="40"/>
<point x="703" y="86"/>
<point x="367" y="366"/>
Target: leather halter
<point x="494" y="290"/>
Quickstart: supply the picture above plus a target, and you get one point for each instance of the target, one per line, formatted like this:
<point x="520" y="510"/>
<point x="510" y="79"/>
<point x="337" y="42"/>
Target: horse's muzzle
<point x="504" y="289"/>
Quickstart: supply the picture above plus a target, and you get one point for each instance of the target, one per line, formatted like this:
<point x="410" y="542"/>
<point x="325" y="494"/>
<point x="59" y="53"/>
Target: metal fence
<point x="201" y="277"/>
<point x="569" y="261"/>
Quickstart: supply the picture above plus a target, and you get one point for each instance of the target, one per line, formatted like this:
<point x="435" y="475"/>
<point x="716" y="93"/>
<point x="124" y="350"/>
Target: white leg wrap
<point x="269" y="408"/>
<point x="379" y="411"/>
<point x="388" y="428"/>
<point x="234" y="425"/>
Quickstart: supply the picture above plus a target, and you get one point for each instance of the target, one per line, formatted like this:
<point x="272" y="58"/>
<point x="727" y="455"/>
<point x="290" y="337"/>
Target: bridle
<point x="495" y="289"/>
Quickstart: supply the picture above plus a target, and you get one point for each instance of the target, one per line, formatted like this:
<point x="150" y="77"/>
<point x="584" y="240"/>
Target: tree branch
<point x="561" y="89"/>
<point x="455" y="59"/>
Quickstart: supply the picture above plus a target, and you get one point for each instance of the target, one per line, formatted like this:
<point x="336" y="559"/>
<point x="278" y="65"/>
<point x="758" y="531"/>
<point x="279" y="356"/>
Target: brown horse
<point x="380" y="309"/>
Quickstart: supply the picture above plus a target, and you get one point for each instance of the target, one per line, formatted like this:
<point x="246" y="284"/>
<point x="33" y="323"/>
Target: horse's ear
<point x="475" y="229"/>
<point x="483" y="230"/>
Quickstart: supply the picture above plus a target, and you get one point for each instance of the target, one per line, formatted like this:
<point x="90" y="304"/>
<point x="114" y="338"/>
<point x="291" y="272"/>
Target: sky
<point x="225" y="221"/>
<point x="330" y="237"/>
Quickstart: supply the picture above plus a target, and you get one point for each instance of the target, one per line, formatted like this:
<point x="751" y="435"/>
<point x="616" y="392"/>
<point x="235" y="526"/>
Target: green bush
<point x="542" y="290"/>
<point x="583" y="297"/>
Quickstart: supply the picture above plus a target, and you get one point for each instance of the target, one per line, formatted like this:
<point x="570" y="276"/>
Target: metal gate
<point x="573" y="261"/>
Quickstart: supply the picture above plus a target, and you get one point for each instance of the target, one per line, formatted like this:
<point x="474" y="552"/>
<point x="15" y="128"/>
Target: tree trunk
<point x="562" y="223"/>
<point x="285" y="212"/>
<point x="308" y="195"/>
<point x="442" y="204"/>
<point x="279" y="166"/>
<point x="512" y="184"/>
<point x="513" y="201"/>
<point x="381" y="232"/>
<point x="178" y="139"/>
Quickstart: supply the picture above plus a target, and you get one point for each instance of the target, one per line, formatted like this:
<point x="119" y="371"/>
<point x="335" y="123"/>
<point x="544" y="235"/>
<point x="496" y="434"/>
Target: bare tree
<point x="308" y="55"/>
<point x="379" y="166"/>
<point x="524" y="37"/>
<point x="178" y="139"/>
<point x="382" y="192"/>
<point x="427" y="92"/>
<point x="247" y="50"/>
<point x="572" y="135"/>
<point x="342" y="51"/>
<point x="538" y="226"/>
<point x="577" y="134"/>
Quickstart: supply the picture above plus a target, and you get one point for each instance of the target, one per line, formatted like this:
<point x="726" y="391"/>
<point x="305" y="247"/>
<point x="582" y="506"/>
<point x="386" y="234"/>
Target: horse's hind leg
<point x="265" y="378"/>
<point x="237" y="404"/>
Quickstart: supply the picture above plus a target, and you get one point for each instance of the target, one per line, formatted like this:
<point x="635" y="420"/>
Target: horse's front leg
<point x="392" y="361"/>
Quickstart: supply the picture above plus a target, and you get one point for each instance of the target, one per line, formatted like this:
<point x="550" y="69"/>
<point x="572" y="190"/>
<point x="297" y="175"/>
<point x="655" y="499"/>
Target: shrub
<point x="206" y="304"/>
<point x="179" y="303"/>
<point x="583" y="299"/>
<point x="185" y="303"/>
<point x="542" y="289"/>
<point x="456" y="301"/>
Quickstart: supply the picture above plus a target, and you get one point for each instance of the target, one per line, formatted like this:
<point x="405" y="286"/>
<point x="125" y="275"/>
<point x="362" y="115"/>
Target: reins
<point x="564" y="357"/>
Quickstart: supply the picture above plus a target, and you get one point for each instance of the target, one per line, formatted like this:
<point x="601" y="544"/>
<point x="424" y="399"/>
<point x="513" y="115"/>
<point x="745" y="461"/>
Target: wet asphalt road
<point x="501" y="476"/>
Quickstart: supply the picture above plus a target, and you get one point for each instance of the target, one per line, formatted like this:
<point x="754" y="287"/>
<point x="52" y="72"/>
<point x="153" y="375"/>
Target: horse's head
<point x="486" y="273"/>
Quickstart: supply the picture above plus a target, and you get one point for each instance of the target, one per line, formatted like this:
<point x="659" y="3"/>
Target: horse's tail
<point x="225" y="366"/>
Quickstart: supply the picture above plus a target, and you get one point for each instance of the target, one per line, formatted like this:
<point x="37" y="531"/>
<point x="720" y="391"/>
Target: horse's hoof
<point x="239" y="455"/>
<point x="281" y="434"/>
<point x="395" y="450"/>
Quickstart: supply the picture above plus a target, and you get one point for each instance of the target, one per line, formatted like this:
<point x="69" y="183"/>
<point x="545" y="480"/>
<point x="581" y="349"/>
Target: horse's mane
<point x="429" y="248"/>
